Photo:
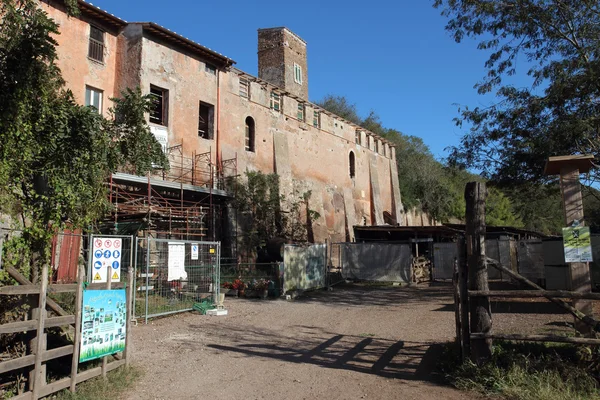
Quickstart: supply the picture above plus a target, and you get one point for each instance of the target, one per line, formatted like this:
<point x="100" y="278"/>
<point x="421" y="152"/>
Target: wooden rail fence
<point x="38" y="385"/>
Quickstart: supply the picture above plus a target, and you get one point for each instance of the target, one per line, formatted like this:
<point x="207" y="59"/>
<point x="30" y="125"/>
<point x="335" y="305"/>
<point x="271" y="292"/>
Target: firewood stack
<point x="421" y="267"/>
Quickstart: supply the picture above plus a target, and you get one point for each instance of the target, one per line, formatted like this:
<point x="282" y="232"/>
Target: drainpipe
<point x="218" y="140"/>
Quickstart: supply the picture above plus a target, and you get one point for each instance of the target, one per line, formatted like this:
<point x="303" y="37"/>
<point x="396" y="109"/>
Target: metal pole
<point x="147" y="273"/>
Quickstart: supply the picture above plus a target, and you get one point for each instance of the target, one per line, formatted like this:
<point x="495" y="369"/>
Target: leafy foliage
<point x="56" y="155"/>
<point x="558" y="115"/>
<point x="262" y="212"/>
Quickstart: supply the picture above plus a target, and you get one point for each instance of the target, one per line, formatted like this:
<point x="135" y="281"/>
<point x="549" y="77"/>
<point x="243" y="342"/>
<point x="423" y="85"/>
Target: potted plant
<point x="234" y="287"/>
<point x="262" y="287"/>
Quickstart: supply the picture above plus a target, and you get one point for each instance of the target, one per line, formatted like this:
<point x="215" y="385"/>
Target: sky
<point x="390" y="56"/>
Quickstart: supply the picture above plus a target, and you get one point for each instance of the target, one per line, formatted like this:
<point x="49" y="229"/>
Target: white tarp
<point x="304" y="267"/>
<point x="377" y="262"/>
<point x="176" y="262"/>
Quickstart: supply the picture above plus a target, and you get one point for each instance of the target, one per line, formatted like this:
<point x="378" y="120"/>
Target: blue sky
<point x="393" y="57"/>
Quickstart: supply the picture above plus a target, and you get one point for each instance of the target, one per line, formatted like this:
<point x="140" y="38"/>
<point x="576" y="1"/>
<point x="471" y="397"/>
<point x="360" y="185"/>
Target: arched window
<point x="352" y="164"/>
<point x="250" y="134"/>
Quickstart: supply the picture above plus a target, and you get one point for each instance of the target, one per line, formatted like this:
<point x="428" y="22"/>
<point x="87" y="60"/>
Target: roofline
<point x="97" y="12"/>
<point x="176" y="38"/>
<point x="315" y="106"/>
<point x="278" y="28"/>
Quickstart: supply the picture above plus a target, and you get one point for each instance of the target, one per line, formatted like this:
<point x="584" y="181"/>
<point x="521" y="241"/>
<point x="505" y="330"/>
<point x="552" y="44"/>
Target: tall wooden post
<point x="569" y="168"/>
<point x="481" y="317"/>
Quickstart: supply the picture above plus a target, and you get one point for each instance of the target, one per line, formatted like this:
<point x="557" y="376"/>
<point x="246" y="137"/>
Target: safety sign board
<point x="194" y="251"/>
<point x="106" y="255"/>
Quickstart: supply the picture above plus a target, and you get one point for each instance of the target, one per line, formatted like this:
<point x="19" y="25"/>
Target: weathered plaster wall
<point x="77" y="69"/>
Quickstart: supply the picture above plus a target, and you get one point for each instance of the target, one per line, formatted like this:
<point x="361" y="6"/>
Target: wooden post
<point x="39" y="372"/>
<point x="569" y="168"/>
<point x="457" y="310"/>
<point x="481" y="317"/>
<point x="77" y="336"/>
<point x="464" y="300"/>
<point x="108" y="286"/>
<point x="129" y="297"/>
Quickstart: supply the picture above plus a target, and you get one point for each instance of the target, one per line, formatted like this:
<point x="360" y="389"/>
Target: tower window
<point x="205" y="120"/>
<point x="297" y="74"/>
<point x="300" y="114"/>
<point x="316" y="119"/>
<point x="352" y="164"/>
<point x="250" y="134"/>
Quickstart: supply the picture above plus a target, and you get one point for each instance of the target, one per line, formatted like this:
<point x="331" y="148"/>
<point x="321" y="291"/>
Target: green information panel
<point x="103" y="325"/>
<point x="578" y="244"/>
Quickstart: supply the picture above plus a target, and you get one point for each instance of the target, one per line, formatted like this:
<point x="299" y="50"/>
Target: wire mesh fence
<point x="172" y="275"/>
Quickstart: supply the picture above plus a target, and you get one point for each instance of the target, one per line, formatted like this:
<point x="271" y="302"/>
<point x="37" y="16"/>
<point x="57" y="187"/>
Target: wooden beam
<point x="77" y="336"/>
<point x="17" y="363"/>
<point x="538" y="338"/>
<point x="24" y="281"/>
<point x="19" y="326"/>
<point x="39" y="372"/>
<point x="564" y="294"/>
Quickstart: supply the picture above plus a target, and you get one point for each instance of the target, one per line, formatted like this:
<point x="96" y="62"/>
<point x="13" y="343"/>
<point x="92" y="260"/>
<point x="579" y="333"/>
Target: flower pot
<point x="231" y="292"/>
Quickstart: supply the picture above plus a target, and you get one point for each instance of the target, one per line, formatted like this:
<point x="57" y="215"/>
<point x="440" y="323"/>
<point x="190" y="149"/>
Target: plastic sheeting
<point x="443" y="260"/>
<point x="377" y="262"/>
<point x="304" y="267"/>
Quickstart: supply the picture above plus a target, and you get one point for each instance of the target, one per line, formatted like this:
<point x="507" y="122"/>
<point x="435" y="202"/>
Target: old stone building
<point x="215" y="120"/>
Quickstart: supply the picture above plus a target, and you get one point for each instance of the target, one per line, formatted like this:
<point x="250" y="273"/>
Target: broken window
<point x="205" y="120"/>
<point x="300" y="113"/>
<point x="250" y="134"/>
<point x="316" y="119"/>
<point x="244" y="87"/>
<point x="352" y="162"/>
<point x="93" y="98"/>
<point x="210" y="69"/>
<point x="297" y="74"/>
<point x="275" y="101"/>
<point x="160" y="100"/>
<point x="357" y="137"/>
<point x="96" y="45"/>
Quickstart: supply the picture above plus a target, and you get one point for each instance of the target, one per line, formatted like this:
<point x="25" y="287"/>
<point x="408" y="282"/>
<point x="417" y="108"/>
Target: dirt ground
<point x="355" y="342"/>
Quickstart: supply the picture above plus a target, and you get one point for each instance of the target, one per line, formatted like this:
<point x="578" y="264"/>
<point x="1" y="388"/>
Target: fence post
<point x="481" y="317"/>
<point x="39" y="372"/>
<point x="77" y="335"/>
<point x="457" y="308"/>
<point x="129" y="297"/>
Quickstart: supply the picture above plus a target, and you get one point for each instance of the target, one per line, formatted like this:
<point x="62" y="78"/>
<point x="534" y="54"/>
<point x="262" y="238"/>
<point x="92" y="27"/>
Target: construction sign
<point x="106" y="257"/>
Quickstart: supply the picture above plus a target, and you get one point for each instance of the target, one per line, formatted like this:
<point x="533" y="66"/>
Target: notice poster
<point x="194" y="251"/>
<point x="106" y="256"/>
<point x="103" y="323"/>
<point x="176" y="262"/>
<point x="577" y="244"/>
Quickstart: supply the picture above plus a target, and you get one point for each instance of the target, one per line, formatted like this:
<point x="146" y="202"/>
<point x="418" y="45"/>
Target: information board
<point x="176" y="262"/>
<point x="103" y="323"/>
<point x="577" y="244"/>
<point x="106" y="255"/>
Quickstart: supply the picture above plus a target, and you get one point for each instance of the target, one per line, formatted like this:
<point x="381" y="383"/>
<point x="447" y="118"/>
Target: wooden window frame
<point x="96" y="46"/>
<point x="164" y="112"/>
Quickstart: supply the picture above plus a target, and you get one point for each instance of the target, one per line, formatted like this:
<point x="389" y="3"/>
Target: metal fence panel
<point x="531" y="259"/>
<point x="377" y="262"/>
<point x="305" y="267"/>
<point x="172" y="275"/>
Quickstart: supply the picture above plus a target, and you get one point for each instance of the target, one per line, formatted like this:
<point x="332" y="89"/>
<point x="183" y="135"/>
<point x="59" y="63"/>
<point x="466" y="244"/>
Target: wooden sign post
<point x="569" y="168"/>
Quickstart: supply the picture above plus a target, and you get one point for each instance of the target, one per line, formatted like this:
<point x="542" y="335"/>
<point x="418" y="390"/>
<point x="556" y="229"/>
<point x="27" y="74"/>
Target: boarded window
<point x="160" y="101"/>
<point x="205" y="120"/>
<point x="244" y="88"/>
<point x="250" y="134"/>
<point x="352" y="164"/>
<point x="96" y="45"/>
<point x="300" y="113"/>
<point x="275" y="101"/>
<point x="93" y="98"/>
<point x="316" y="119"/>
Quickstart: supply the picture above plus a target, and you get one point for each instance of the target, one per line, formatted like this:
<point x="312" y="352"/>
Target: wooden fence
<point x="38" y="385"/>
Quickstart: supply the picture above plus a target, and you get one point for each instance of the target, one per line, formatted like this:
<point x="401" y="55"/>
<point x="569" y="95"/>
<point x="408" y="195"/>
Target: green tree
<point x="55" y="155"/>
<point x="558" y="42"/>
<point x="499" y="210"/>
<point x="340" y="106"/>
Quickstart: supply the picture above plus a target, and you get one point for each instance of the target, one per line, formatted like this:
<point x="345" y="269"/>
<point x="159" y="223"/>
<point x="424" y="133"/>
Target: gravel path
<point x="356" y="342"/>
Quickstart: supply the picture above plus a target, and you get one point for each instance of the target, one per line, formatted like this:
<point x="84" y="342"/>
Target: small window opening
<point x="160" y="100"/>
<point x="316" y="119"/>
<point x="205" y="120"/>
<point x="96" y="44"/>
<point x="300" y="114"/>
<point x="297" y="74"/>
<point x="250" y="134"/>
<point x="210" y="69"/>
<point x="352" y="163"/>
<point x="376" y="146"/>
<point x="275" y="101"/>
<point x="93" y="98"/>
<point x="244" y="88"/>
<point x="357" y="137"/>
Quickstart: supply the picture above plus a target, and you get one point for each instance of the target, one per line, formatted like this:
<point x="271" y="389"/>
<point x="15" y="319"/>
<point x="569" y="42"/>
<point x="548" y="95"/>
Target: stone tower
<point x="282" y="60"/>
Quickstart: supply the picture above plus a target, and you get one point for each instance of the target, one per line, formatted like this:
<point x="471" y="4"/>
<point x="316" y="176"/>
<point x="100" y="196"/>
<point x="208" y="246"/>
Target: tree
<point x="340" y="106"/>
<point x="499" y="210"/>
<point x="55" y="155"/>
<point x="559" y="42"/>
